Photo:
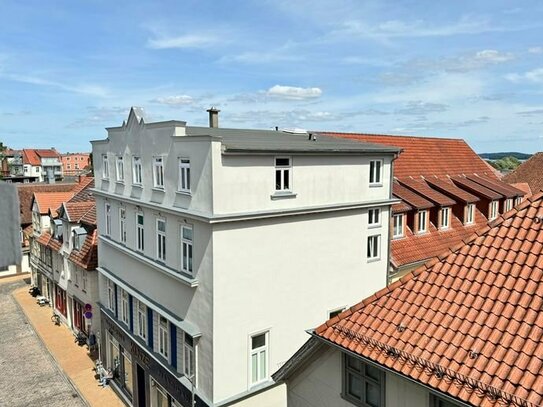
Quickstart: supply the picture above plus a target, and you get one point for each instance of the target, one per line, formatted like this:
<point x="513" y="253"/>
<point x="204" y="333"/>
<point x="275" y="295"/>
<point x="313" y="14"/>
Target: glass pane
<point x="282" y="162"/>
<point x="286" y="181"/>
<point x="262" y="365"/>
<point x="378" y="171"/>
<point x="254" y="368"/>
<point x="354" y="386"/>
<point x="353" y="363"/>
<point x="258" y="341"/>
<point x="190" y="257"/>
<point x="373" y="373"/>
<point x="277" y="179"/>
<point x="373" y="395"/>
<point x="140" y="219"/>
<point x="187" y="233"/>
<point x="372" y="171"/>
<point x="128" y="374"/>
<point x="161" y="226"/>
<point x="188" y="178"/>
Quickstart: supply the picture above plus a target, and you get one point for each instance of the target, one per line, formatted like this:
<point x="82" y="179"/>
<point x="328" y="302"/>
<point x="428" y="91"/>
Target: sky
<point x="462" y="69"/>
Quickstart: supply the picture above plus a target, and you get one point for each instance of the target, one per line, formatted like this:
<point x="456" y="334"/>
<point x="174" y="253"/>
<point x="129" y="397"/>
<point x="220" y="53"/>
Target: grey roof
<point x="269" y="141"/>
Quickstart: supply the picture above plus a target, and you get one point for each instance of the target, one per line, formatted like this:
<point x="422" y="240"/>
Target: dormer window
<point x="493" y="210"/>
<point x="105" y="167"/>
<point x="282" y="173"/>
<point x="470" y="214"/>
<point x="518" y="200"/>
<point x="119" y="166"/>
<point x="507" y="205"/>
<point x="445" y="217"/>
<point x="422" y="217"/>
<point x="79" y="235"/>
<point x="57" y="229"/>
<point x="158" y="172"/>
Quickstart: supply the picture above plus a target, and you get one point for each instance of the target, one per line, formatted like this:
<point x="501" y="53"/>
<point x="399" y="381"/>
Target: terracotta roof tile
<point x="26" y="193"/>
<point x="413" y="199"/>
<point x="530" y="172"/>
<point x="500" y="318"/>
<point x="75" y="211"/>
<point x="476" y="188"/>
<point x="87" y="256"/>
<point x="496" y="185"/>
<point x="50" y="201"/>
<point x="422" y="188"/>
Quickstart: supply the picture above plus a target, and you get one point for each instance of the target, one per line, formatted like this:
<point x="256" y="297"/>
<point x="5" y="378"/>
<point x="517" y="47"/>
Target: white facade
<point x="262" y="262"/>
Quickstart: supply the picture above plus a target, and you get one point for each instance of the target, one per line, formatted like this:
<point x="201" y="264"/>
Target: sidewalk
<point x="72" y="359"/>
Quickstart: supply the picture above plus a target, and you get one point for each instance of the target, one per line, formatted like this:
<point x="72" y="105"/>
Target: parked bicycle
<point x="55" y="318"/>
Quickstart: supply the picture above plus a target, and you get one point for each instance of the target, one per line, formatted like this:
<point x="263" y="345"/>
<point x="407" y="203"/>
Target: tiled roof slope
<point x="75" y="211"/>
<point x="413" y="199"/>
<point x="26" y="192"/>
<point x="82" y="192"/>
<point x="87" y="257"/>
<point x="525" y="187"/>
<point x="427" y="156"/>
<point x="450" y="189"/>
<point x="530" y="171"/>
<point x="50" y="201"/>
<point x="469" y="323"/>
<point x="420" y="186"/>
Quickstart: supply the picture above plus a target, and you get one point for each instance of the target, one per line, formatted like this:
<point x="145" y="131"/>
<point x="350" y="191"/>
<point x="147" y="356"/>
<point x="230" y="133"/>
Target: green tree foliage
<point x="506" y="163"/>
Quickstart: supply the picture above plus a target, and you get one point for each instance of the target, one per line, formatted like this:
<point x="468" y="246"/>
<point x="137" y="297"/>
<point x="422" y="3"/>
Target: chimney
<point x="213" y="117"/>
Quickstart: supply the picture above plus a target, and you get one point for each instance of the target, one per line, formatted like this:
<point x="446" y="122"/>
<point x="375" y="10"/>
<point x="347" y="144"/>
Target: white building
<point x="218" y="247"/>
<point x="42" y="164"/>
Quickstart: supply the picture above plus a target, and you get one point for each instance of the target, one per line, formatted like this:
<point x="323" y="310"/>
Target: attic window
<point x="57" y="229"/>
<point x="79" y="235"/>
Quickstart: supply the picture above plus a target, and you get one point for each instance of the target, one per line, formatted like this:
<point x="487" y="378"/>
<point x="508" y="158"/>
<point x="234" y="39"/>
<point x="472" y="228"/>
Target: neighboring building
<point x="64" y="255"/>
<point x="42" y="164"/>
<point x="464" y="330"/>
<point x="75" y="163"/>
<point x="210" y="239"/>
<point x="529" y="172"/>
<point x="447" y="191"/>
<point x="12" y="169"/>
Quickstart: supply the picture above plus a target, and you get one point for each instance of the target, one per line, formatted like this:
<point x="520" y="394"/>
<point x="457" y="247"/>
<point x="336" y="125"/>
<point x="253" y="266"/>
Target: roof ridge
<point x="389" y="135"/>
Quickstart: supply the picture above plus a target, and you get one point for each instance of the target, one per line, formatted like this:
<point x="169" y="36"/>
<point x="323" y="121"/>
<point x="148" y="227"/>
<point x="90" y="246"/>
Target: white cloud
<point x="535" y="50"/>
<point x="293" y="93"/>
<point x="535" y="75"/>
<point x="203" y="40"/>
<point x="86" y="89"/>
<point x="174" y="100"/>
<point x="419" y="107"/>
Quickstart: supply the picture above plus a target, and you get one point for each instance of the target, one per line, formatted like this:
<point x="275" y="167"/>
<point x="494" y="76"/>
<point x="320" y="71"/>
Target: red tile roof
<point x="469" y="323"/>
<point x="50" y="201"/>
<point x="524" y="187"/>
<point x="422" y="188"/>
<point x="447" y="187"/>
<point x="427" y="156"/>
<point x="476" y="188"/>
<point x="26" y="193"/>
<point x="400" y="207"/>
<point x="87" y="257"/>
<point x="75" y="211"/>
<point x="530" y="171"/>
<point x="82" y="192"/>
<point x="496" y="185"/>
<point x="413" y="199"/>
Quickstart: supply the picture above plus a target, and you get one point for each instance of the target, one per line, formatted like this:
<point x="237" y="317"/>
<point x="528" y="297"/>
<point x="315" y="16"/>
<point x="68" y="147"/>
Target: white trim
<point x="256" y="352"/>
<point x="158" y="172"/>
<point x="376" y="174"/>
<point x="137" y="176"/>
<point x="374" y="211"/>
<point x="183" y="184"/>
<point x="401" y="225"/>
<point x="160" y="240"/>
<point x="119" y="168"/>
<point x="282" y="169"/>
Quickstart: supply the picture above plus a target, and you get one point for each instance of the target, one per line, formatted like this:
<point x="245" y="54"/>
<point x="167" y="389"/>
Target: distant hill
<point x="499" y="156"/>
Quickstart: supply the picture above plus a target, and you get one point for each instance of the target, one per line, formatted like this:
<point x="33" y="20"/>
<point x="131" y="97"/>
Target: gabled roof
<point x="422" y="188"/>
<point x="49" y="202"/>
<point x="476" y="188"/>
<point x="75" y="211"/>
<point x="82" y="192"/>
<point x="450" y="189"/>
<point x="87" y="256"/>
<point x="33" y="156"/>
<point x="469" y="323"/>
<point x="413" y="199"/>
<point x="26" y="194"/>
<point x="506" y="190"/>
<point x="530" y="171"/>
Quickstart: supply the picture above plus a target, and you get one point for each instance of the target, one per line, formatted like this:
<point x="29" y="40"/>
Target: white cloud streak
<point x="203" y="40"/>
<point x="179" y="100"/>
<point x="293" y="92"/>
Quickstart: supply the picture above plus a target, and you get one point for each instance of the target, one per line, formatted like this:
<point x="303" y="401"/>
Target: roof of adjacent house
<point x="75" y="211"/>
<point x="26" y="193"/>
<point x="33" y="156"/>
<point x="469" y="323"/>
<point x="87" y="256"/>
<point x="50" y="201"/>
<point x="530" y="171"/>
<point x="414" y="200"/>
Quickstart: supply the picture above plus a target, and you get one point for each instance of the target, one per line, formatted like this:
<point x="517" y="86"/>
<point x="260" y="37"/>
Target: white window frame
<point x="282" y="169"/>
<point x="124" y="311"/>
<point x="136" y="170"/>
<point x="398" y="223"/>
<point x="261" y="350"/>
<point x="374" y="217"/>
<point x="110" y="295"/>
<point x="163" y="336"/>
<point x="518" y="200"/>
<point x="189" y="357"/>
<point x="508" y="205"/>
<point x="141" y="319"/>
<point x="160" y="240"/>
<point x="107" y="208"/>
<point x="158" y="172"/>
<point x="445" y="214"/>
<point x="187" y="250"/>
<point x="493" y="210"/>
<point x="422" y="227"/>
<point x="122" y="224"/>
<point x="376" y="173"/>
<point x="119" y="168"/>
<point x="140" y="232"/>
<point x="373" y="253"/>
<point x="470" y="213"/>
<point x="105" y="166"/>
<point x="184" y="175"/>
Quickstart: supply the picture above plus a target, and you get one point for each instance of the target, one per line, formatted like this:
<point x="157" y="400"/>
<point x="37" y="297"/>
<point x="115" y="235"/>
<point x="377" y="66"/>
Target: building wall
<point x="69" y="162"/>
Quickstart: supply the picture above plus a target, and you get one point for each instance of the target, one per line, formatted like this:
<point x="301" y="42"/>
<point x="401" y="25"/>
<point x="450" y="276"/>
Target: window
<point x="124" y="311"/>
<point x="136" y="170"/>
<point x="84" y="280"/>
<point x="122" y="225"/>
<point x="397" y="221"/>
<point x="188" y="357"/>
<point x="110" y="295"/>
<point x="259" y="358"/>
<point x="108" y="219"/>
<point x="507" y="205"/>
<point x="282" y="174"/>
<point x="376" y="172"/>
<point x="158" y="172"/>
<point x="163" y="341"/>
<point x="68" y="166"/>
<point x="161" y="239"/>
<point x="445" y="218"/>
<point x="76" y="277"/>
<point x="374" y="217"/>
<point x="119" y="169"/>
<point x="362" y="383"/>
<point x="186" y="249"/>
<point x="76" y="166"/>
<point x="127" y="380"/>
<point x="470" y="210"/>
<point x="493" y="214"/>
<point x="518" y="200"/>
<point x="105" y="167"/>
<point x="140" y="232"/>
<point x="438" y="402"/>
<point x="373" y="247"/>
<point x="422" y="218"/>
<point x="141" y="320"/>
<point x="184" y="175"/>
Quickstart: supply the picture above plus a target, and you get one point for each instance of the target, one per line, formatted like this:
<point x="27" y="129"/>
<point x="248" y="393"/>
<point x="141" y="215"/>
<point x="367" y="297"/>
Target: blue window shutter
<point x="150" y="327"/>
<point x="116" y="303"/>
<point x="173" y="342"/>
<point x="131" y="312"/>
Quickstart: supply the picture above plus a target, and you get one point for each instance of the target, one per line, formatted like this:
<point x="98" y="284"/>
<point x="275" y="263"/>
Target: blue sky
<point x="466" y="69"/>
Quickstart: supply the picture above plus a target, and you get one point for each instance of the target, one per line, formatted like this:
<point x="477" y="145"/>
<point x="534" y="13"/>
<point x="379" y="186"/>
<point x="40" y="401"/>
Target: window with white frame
<point x="163" y="336"/>
<point x="282" y="173"/>
<point x="422" y="217"/>
<point x="122" y="224"/>
<point x="140" y="232"/>
<point x="158" y="172"/>
<point x="493" y="214"/>
<point x="105" y="166"/>
<point x="508" y="205"/>
<point x="136" y="170"/>
<point x="259" y="358"/>
<point x="125" y="309"/>
<point x="518" y="200"/>
<point x="119" y="166"/>
<point x="397" y="221"/>
<point x="373" y="251"/>
<point x="108" y="219"/>
<point x="184" y="175"/>
<point x="84" y="280"/>
<point x="141" y="320"/>
<point x="76" y="276"/>
<point x="110" y="295"/>
<point x="376" y="172"/>
<point x="189" y="363"/>
<point x="186" y="249"/>
<point x="362" y="383"/>
<point x="374" y="217"/>
<point x="470" y="213"/>
<point x="161" y="239"/>
<point x="445" y="218"/>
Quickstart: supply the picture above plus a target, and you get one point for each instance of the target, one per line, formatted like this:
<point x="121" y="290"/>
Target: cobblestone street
<point x="30" y="376"/>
